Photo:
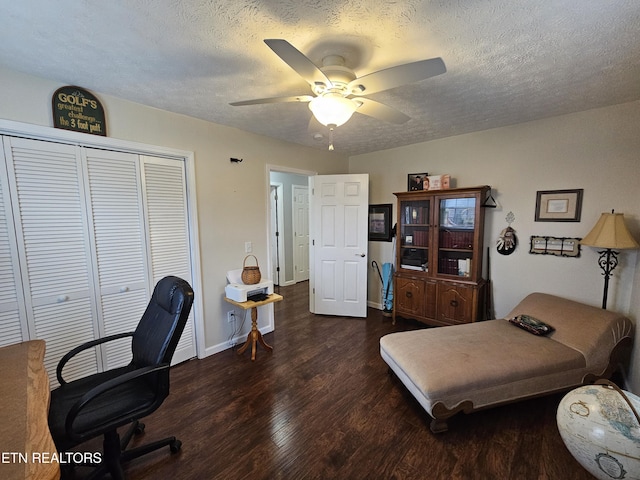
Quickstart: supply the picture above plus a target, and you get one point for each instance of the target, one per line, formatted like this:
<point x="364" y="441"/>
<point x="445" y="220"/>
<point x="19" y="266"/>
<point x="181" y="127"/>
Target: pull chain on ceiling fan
<point x="338" y="93"/>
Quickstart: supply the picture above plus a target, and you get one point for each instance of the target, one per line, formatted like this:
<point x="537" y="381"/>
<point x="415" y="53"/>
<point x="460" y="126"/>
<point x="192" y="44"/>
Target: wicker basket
<point x="250" y="274"/>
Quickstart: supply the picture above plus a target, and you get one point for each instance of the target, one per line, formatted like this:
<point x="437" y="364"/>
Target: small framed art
<point x="380" y="223"/>
<point x="416" y="181"/>
<point x="558" y="205"/>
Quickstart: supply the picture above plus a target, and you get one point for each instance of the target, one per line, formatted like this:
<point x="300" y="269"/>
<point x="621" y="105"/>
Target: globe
<point x="601" y="430"/>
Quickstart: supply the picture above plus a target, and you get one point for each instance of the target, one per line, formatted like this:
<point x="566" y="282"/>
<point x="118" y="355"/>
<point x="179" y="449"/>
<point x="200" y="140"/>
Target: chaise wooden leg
<point x="438" y="425"/>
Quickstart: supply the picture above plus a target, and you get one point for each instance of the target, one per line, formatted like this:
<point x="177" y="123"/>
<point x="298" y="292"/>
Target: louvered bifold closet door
<point x="13" y="324"/>
<point x="168" y="231"/>
<point x="115" y="199"/>
<point x="52" y="237"/>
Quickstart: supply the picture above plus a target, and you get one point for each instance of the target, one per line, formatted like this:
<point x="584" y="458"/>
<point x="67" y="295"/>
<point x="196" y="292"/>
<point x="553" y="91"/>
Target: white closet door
<point x="115" y="200"/>
<point x="13" y="326"/>
<point x="51" y="229"/>
<point x="168" y="231"/>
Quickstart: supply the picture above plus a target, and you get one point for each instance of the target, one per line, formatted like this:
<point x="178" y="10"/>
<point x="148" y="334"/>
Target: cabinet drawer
<point x="455" y="303"/>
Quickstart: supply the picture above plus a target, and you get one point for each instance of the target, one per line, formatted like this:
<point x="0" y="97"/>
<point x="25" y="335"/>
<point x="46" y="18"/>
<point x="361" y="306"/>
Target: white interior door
<point x="118" y="239"/>
<point x="167" y="216"/>
<point x="300" y="233"/>
<point x="338" y="278"/>
<point x="13" y="326"/>
<point x="53" y="250"/>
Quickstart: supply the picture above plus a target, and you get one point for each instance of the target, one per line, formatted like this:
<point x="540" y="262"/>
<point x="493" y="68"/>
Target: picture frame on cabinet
<point x="416" y="182"/>
<point x="380" y="222"/>
<point x="558" y="205"/>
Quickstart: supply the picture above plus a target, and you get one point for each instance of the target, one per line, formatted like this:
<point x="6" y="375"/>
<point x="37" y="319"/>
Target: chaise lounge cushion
<point x="466" y="360"/>
<point x="492" y="362"/>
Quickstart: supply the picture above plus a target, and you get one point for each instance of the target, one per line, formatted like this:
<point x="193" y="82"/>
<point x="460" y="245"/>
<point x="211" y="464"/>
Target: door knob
<point x="360" y="255"/>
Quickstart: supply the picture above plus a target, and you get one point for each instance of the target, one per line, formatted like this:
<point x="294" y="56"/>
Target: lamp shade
<point x="332" y="109"/>
<point x="610" y="232"/>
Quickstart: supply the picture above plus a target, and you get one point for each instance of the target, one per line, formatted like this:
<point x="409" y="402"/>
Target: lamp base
<point x="608" y="260"/>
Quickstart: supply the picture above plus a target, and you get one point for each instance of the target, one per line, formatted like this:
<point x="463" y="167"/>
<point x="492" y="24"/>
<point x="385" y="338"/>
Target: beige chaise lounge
<point x="463" y="368"/>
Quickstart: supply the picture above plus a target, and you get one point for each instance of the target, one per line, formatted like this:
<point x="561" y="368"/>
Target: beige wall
<point x="597" y="150"/>
<point x="232" y="199"/>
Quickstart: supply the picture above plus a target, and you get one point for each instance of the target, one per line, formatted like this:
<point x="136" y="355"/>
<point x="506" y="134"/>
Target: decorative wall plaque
<point x="561" y="246"/>
<point x="76" y="109"/>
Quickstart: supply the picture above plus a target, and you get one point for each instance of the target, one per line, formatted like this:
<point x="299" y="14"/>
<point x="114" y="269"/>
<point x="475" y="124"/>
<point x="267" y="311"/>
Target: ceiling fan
<point x="338" y="93"/>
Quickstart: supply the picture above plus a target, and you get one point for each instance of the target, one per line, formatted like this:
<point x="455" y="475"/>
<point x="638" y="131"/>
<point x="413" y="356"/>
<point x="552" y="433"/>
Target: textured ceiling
<point x="508" y="61"/>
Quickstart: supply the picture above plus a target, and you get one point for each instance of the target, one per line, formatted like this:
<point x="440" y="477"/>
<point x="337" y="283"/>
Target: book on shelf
<point x="456" y="239"/>
<point x="460" y="267"/>
<point x="416" y="215"/>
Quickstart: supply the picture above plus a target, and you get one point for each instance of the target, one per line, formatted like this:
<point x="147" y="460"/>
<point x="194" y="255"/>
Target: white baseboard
<point x="377" y="306"/>
<point x="238" y="340"/>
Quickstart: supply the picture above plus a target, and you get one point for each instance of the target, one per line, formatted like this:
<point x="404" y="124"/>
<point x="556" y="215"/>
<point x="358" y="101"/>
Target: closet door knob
<point x="124" y="289"/>
<point x="453" y="303"/>
<point x="409" y="294"/>
<point x="63" y="298"/>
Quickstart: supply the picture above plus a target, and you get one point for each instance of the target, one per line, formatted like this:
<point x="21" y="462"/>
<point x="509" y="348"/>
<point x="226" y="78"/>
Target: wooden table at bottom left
<point x="26" y="446"/>
<point x="255" y="336"/>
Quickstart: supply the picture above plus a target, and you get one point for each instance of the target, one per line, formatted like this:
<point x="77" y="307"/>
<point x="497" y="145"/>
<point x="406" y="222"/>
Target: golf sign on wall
<point x="76" y="109"/>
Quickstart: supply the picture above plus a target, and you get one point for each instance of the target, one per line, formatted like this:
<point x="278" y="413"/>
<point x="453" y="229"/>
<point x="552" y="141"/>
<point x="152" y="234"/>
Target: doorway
<point x="288" y="220"/>
<point x="300" y="204"/>
<point x="277" y="227"/>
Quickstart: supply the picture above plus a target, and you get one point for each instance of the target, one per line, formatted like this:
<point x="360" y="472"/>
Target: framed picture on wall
<point x="380" y="223"/>
<point x="558" y="205"/>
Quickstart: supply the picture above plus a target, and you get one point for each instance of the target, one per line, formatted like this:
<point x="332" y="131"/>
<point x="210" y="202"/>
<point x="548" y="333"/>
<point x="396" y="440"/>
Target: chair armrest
<point x="103" y="388"/>
<point x="85" y="346"/>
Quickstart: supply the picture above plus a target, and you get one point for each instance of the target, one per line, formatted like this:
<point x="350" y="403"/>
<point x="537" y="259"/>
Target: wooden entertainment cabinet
<point x="438" y="278"/>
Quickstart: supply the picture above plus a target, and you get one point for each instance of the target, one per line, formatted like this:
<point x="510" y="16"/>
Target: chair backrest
<point x="158" y="332"/>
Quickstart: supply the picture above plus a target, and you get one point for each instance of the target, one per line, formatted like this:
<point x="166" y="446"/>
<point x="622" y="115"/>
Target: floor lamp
<point x="609" y="234"/>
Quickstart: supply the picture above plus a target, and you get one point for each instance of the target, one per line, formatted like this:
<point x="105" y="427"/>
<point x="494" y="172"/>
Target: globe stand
<point x="610" y="384"/>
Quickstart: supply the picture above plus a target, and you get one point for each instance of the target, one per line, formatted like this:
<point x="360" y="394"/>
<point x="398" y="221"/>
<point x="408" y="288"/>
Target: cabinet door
<point x="118" y="237"/>
<point x="415" y="234"/>
<point x="410" y="295"/>
<point x="50" y="220"/>
<point x="457" y="224"/>
<point x="455" y="303"/>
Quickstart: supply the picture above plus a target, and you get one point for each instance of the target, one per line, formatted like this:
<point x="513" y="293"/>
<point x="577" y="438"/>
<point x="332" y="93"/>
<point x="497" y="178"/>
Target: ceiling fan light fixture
<point x="332" y="109"/>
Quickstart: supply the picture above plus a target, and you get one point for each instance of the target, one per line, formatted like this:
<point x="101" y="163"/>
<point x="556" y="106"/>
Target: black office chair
<point x="101" y="403"/>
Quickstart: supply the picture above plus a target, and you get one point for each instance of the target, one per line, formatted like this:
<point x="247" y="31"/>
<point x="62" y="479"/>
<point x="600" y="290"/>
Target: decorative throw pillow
<point x="532" y="325"/>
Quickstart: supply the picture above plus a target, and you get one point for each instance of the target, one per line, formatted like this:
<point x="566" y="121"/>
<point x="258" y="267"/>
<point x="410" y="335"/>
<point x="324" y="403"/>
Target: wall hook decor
<point x="489" y="201"/>
<point x="507" y="241"/>
<point x="235" y="160"/>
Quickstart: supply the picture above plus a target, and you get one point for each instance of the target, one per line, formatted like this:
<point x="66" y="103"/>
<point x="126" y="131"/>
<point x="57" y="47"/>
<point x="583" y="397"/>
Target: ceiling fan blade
<point x="299" y="98"/>
<point x="381" y="112"/>
<point x="298" y="61"/>
<point x="396" y="76"/>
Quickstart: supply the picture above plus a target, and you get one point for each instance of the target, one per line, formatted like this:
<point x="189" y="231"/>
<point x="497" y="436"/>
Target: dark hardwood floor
<point x="323" y="406"/>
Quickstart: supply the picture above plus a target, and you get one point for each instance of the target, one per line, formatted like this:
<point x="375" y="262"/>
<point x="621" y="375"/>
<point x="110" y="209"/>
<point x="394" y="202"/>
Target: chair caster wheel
<point x="139" y="428"/>
<point x="175" y="446"/>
